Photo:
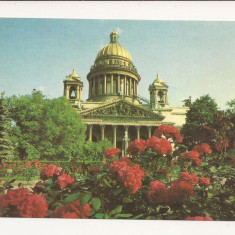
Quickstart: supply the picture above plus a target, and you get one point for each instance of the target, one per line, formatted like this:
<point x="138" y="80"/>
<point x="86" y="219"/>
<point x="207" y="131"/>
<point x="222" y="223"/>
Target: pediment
<point x="121" y="109"/>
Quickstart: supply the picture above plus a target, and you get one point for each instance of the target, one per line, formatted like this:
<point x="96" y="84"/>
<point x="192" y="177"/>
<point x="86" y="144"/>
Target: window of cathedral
<point x="110" y="62"/>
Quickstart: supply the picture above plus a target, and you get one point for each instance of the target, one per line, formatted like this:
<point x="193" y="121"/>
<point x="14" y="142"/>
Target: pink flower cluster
<point x="136" y="147"/>
<point x="159" y="146"/>
<point x="111" y="152"/>
<point x="202" y="149"/>
<point x="28" y="205"/>
<point x="73" y="210"/>
<point x="130" y="175"/>
<point x="168" y="132"/>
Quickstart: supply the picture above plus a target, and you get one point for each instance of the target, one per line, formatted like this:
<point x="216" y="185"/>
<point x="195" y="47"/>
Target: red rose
<point x="204" y="181"/>
<point x="159" y="146"/>
<point x="201" y="149"/>
<point x="189" y="178"/>
<point x="136" y="147"/>
<point x="131" y="177"/>
<point x="116" y="165"/>
<point x="180" y="189"/>
<point x="74" y="210"/>
<point x="50" y="171"/>
<point x="168" y="132"/>
<point x="15" y="197"/>
<point x="168" y="175"/>
<point x="194" y="156"/>
<point x="111" y="152"/>
<point x="33" y="206"/>
<point x="200" y="218"/>
<point x="126" y="159"/>
<point x="157" y="193"/>
<point x="221" y="145"/>
<point x="64" y="179"/>
<point x="94" y="170"/>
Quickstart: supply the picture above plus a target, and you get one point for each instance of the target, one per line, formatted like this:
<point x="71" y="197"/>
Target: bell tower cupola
<point x="73" y="87"/>
<point x="158" y="93"/>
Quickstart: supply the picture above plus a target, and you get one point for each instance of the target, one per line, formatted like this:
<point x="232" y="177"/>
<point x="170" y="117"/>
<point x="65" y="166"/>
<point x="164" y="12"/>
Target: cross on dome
<point x="114" y="37"/>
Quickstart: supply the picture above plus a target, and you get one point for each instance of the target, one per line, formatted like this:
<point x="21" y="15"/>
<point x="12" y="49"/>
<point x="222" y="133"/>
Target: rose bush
<point x="155" y="181"/>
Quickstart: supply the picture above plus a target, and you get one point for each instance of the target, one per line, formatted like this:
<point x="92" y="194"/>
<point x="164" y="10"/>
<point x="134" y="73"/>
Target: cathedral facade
<point x="114" y="109"/>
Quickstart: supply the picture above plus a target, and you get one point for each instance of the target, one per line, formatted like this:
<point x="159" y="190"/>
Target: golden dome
<point x="114" y="49"/>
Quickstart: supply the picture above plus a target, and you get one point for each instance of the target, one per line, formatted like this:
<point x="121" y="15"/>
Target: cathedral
<point x="114" y="109"/>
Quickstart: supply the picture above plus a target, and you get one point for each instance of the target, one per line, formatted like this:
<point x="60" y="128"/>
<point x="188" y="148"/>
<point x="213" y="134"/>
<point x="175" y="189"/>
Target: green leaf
<point x="127" y="200"/>
<point x="151" y="217"/>
<point x="107" y="183"/>
<point x="123" y="216"/>
<point x="12" y="181"/>
<point x="213" y="169"/>
<point x="138" y="216"/>
<point x="116" y="192"/>
<point x="71" y="198"/>
<point x="117" y="210"/>
<point x="96" y="203"/>
<point x="204" y="163"/>
<point x="99" y="216"/>
<point x="84" y="198"/>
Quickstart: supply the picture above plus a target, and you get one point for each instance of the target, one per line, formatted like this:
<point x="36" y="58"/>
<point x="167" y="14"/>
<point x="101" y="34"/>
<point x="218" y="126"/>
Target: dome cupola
<point x="113" y="73"/>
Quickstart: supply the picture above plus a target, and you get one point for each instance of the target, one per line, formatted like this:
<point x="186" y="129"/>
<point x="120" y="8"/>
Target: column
<point x="138" y="132"/>
<point x="67" y="92"/>
<point x="102" y="131"/>
<point x="126" y="138"/>
<point x="129" y="85"/>
<point x="90" y="126"/>
<point x="137" y="88"/>
<point x="99" y="85"/>
<point x="78" y="92"/>
<point x="125" y="84"/>
<point x="105" y="84"/>
<point x="111" y="83"/>
<point x="114" y="136"/>
<point x="149" y="131"/>
<point x="90" y="89"/>
<point x="134" y="87"/>
<point x="166" y="97"/>
<point x="119" y="82"/>
<point x="155" y="99"/>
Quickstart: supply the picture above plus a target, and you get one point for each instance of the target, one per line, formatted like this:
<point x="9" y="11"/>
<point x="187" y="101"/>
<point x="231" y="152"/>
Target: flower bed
<point x="155" y="181"/>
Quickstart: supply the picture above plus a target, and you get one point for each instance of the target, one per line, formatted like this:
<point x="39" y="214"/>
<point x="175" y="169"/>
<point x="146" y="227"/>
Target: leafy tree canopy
<point x="6" y="150"/>
<point x="46" y="129"/>
<point x="201" y="115"/>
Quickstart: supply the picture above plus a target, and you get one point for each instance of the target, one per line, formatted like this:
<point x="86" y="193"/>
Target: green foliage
<point x="46" y="129"/>
<point x="6" y="150"/>
<point x="200" y="115"/>
<point x="95" y="151"/>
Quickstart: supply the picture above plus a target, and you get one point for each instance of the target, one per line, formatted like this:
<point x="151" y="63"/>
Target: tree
<point x="46" y="129"/>
<point x="199" y="120"/>
<point x="6" y="150"/>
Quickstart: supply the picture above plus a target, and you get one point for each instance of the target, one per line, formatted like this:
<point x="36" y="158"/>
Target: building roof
<point x="113" y="48"/>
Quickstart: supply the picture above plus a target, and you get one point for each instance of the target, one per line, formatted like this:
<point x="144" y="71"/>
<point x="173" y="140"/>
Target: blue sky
<point x="194" y="58"/>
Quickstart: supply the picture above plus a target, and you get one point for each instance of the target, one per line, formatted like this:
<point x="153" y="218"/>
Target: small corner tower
<point x="73" y="87"/>
<point x="158" y="93"/>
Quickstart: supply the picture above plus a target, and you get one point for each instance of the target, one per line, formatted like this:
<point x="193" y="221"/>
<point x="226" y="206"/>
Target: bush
<point x="156" y="181"/>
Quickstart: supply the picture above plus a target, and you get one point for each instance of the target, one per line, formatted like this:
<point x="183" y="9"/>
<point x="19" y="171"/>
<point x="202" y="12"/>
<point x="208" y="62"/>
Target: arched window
<point x="73" y="93"/>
